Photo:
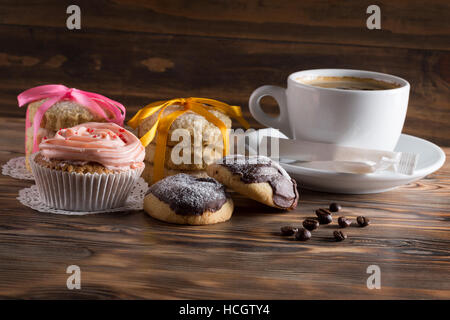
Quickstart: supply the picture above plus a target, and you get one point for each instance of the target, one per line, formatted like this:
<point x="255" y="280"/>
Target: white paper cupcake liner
<point x="83" y="192"/>
<point x="31" y="198"/>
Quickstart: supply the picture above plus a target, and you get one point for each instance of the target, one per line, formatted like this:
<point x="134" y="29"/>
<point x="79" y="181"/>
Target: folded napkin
<point x="329" y="157"/>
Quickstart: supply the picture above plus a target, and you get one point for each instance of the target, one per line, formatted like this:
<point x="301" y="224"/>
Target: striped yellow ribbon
<point x="201" y="106"/>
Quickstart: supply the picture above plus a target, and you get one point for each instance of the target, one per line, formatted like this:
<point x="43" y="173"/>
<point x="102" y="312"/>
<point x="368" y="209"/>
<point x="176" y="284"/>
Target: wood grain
<point x="404" y="23"/>
<point x="139" y="51"/>
<point x="137" y="68"/>
<point x="130" y="255"/>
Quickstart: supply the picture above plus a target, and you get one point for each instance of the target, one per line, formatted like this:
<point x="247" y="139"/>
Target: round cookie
<point x="258" y="178"/>
<point x="184" y="199"/>
<point x="193" y="122"/>
<point x="147" y="174"/>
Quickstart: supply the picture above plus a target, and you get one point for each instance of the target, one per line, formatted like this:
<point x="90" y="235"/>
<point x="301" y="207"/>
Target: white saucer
<point x="431" y="158"/>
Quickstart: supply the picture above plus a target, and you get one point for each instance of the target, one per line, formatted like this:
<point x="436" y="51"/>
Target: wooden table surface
<point x="130" y="255"/>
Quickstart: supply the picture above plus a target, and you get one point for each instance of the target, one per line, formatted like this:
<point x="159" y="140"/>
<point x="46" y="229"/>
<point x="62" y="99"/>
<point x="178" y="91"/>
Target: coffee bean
<point x="311" y="224"/>
<point x="288" y="230"/>
<point x="339" y="235"/>
<point x="344" y="222"/>
<point x="324" y="216"/>
<point x="335" y="207"/>
<point x="302" y="234"/>
<point x="323" y="211"/>
<point x="363" y="221"/>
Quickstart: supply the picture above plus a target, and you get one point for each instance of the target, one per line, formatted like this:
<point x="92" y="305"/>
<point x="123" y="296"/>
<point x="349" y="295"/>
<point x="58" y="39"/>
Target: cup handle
<point x="279" y="94"/>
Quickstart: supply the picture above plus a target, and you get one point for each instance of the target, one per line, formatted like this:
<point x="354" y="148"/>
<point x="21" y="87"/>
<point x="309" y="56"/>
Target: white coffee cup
<point x="357" y="118"/>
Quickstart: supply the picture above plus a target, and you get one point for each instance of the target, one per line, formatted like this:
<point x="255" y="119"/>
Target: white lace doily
<point x="16" y="168"/>
<point x="30" y="197"/>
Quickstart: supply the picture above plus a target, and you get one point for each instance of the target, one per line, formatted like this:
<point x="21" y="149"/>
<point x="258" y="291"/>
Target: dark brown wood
<point x="141" y="51"/>
<point x="404" y="23"/>
<point x="130" y="255"/>
<point x="137" y="68"/>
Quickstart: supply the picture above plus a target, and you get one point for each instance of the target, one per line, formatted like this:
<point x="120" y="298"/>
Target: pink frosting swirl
<point x="106" y="143"/>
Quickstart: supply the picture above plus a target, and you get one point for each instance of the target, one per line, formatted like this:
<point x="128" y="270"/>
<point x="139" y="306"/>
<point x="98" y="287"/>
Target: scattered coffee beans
<point x="288" y="230"/>
<point x="339" y="235"/>
<point x="335" y="207"/>
<point x="344" y="222"/>
<point x="310" y="224"/>
<point x="362" y="221"/>
<point x="324" y="216"/>
<point x="302" y="234"/>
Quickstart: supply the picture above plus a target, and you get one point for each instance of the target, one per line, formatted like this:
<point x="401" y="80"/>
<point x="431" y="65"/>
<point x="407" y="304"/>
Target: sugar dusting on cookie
<point x="188" y="195"/>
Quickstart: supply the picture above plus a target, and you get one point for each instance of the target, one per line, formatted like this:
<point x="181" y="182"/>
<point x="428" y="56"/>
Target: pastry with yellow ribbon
<point x="206" y="155"/>
<point x="184" y="135"/>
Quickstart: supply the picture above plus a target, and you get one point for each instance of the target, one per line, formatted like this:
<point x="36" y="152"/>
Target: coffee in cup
<point x="354" y="108"/>
<point x="348" y="83"/>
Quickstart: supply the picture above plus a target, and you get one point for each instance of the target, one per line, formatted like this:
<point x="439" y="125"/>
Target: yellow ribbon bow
<point x="162" y="125"/>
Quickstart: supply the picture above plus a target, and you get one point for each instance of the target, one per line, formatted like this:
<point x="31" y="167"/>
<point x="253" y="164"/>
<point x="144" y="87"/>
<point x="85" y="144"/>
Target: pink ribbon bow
<point x="96" y="103"/>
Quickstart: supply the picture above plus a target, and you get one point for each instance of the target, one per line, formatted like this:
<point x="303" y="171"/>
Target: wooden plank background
<point x="140" y="51"/>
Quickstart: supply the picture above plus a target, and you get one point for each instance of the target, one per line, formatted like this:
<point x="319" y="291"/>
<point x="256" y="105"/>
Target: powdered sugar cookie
<point x="184" y="199"/>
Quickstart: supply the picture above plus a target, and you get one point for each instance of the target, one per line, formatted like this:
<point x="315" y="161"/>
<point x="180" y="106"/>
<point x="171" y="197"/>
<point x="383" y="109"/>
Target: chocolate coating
<point x="188" y="195"/>
<point x="258" y="169"/>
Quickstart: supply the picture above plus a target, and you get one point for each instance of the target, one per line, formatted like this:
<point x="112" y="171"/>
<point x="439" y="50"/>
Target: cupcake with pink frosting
<point x="89" y="167"/>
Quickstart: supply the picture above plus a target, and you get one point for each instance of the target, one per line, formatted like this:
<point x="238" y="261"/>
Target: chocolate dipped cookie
<point x="258" y="178"/>
<point x="185" y="199"/>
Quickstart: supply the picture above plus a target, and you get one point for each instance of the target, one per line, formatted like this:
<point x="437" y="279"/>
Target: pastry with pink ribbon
<point x="88" y="167"/>
<point x="52" y="107"/>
